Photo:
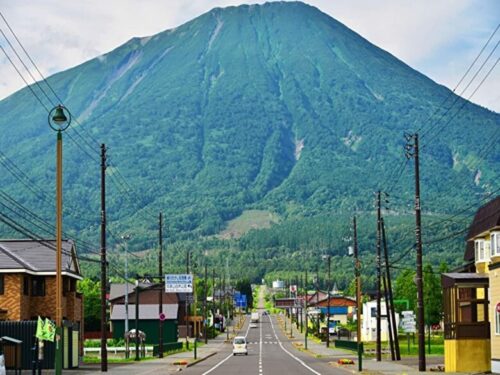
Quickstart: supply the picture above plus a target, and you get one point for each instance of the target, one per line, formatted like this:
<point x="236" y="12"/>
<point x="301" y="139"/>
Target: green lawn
<point x="437" y="346"/>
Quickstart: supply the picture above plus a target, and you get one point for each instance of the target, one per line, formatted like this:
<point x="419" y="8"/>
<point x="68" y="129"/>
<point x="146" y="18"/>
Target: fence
<point x="25" y="331"/>
<point x="350" y="345"/>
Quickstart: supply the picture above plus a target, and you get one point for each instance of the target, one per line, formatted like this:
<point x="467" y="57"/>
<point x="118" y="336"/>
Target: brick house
<point x="27" y="281"/>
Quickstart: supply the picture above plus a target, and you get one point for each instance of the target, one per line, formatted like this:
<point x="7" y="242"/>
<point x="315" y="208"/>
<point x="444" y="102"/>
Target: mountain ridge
<point x="205" y="120"/>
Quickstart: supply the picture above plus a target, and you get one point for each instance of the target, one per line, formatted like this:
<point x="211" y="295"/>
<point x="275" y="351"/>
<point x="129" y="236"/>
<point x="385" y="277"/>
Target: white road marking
<point x="260" y="347"/>
<point x="290" y="354"/>
<point x="225" y="359"/>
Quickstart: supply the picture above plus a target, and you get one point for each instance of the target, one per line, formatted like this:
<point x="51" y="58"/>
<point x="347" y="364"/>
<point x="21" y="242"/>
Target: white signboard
<point x="179" y="283"/>
<point x="408" y="322"/>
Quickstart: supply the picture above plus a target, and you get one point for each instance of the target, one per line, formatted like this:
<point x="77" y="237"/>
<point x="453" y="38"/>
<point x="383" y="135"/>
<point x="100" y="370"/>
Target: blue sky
<point x="439" y="38"/>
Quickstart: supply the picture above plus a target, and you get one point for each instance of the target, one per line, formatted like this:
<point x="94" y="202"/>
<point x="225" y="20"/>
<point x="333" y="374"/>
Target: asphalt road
<point x="269" y="352"/>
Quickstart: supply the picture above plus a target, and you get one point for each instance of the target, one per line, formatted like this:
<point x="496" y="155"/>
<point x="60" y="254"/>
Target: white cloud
<point x="438" y="38"/>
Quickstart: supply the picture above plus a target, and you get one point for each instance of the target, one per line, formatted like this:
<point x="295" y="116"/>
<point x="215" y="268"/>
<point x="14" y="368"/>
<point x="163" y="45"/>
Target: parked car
<point x="240" y="345"/>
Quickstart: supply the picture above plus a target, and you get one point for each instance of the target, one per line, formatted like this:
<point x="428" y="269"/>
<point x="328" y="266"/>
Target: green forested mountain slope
<point x="276" y="107"/>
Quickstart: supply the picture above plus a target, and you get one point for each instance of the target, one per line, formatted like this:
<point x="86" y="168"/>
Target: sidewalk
<point x="370" y="365"/>
<point x="168" y="365"/>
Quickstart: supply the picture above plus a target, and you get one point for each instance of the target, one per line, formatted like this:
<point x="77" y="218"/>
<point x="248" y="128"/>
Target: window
<point x="495" y="243"/>
<point x="497" y="319"/>
<point x="26" y="285"/>
<point x="38" y="286"/>
<point x="479" y="250"/>
<point x="1" y="284"/>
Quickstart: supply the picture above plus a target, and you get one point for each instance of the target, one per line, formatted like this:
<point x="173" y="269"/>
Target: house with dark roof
<point x="472" y="298"/>
<point x="28" y="290"/>
<point x="148" y="312"/>
<point x="28" y="280"/>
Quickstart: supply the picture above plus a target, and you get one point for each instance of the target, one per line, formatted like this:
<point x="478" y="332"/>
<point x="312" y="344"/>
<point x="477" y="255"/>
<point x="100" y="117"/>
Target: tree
<point x="433" y="296"/>
<point x="91" y="291"/>
<point x="405" y="289"/>
<point x="244" y="287"/>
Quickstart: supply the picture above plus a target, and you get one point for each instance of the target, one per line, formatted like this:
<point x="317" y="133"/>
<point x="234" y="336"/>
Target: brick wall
<point x="21" y="307"/>
<point x="10" y="300"/>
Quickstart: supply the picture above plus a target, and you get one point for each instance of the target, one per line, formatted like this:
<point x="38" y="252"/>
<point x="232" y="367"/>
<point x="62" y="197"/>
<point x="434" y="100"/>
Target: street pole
<point x="379" y="312"/>
<point x="187" y="303"/>
<point x="328" y="311"/>
<point x="391" y="298"/>
<point x="137" y="320"/>
<point x="126" y="238"/>
<point x="418" y="237"/>
<point x="357" y="269"/>
<point x="58" y="121"/>
<point x="205" y="303"/>
<point x="104" y="333"/>
<point x="306" y="318"/>
<point x="160" y="294"/>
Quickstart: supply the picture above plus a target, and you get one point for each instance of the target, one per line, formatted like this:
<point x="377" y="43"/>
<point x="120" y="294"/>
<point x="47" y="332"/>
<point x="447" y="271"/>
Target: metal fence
<point x="25" y="331"/>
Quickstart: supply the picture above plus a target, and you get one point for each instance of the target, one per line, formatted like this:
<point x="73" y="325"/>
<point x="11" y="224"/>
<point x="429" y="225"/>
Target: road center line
<point x="290" y="354"/>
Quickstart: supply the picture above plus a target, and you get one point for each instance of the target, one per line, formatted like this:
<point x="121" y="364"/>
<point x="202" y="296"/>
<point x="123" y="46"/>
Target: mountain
<point x="277" y="108"/>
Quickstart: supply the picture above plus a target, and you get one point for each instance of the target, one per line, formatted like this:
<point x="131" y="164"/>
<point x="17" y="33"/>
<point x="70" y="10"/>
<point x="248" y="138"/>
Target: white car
<point x="240" y="345"/>
<point x="253" y="325"/>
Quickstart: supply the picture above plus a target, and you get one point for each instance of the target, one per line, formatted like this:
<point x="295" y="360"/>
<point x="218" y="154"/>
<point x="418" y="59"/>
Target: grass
<point x="437" y="346"/>
<point x="249" y="219"/>
<point x="97" y="359"/>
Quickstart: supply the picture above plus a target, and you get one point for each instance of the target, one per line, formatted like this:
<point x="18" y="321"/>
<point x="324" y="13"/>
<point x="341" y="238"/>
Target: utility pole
<point x="391" y="299"/>
<point x="186" y="315"/>
<point x="137" y="358"/>
<point x="205" y="303"/>
<point x="126" y="238"/>
<point x="388" y="316"/>
<point x="104" y="333"/>
<point x="160" y="294"/>
<point x="379" y="341"/>
<point x="306" y="318"/>
<point x="357" y="269"/>
<point x="328" y="304"/>
<point x="418" y="237"/>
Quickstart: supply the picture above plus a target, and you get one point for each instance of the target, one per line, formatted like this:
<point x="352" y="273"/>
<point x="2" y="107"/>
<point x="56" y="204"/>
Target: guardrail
<point x="115" y="349"/>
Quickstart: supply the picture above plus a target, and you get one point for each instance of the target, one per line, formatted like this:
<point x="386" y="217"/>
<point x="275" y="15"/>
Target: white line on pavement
<point x="225" y="359"/>
<point x="290" y="354"/>
<point x="218" y="364"/>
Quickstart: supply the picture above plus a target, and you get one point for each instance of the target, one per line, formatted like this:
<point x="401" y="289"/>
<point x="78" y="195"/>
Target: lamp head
<point x="59" y="118"/>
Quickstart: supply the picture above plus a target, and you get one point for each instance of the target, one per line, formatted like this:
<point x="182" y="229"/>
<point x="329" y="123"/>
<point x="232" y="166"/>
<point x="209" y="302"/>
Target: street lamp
<point x="126" y="238"/>
<point x="59" y="119"/>
<point x="329" y="257"/>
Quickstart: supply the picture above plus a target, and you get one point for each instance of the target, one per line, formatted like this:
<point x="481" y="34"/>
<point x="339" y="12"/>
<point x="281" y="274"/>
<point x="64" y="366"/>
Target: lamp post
<point x="59" y="119"/>
<point x="328" y="257"/>
<point x="126" y="237"/>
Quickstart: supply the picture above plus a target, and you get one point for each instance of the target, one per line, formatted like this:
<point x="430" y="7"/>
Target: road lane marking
<point x="218" y="364"/>
<point x="290" y="354"/>
<point x="260" y="346"/>
<point x="225" y="359"/>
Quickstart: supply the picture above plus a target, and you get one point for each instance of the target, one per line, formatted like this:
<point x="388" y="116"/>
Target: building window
<point x="480" y="250"/>
<point x="38" y="286"/>
<point x="26" y="285"/>
<point x="2" y="284"/>
<point x="495" y="243"/>
<point x="497" y="319"/>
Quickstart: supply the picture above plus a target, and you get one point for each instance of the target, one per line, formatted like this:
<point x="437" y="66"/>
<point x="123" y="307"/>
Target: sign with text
<point x="408" y="322"/>
<point x="182" y="283"/>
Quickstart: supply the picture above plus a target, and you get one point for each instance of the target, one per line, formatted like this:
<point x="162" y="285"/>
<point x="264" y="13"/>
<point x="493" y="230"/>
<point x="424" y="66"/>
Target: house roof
<point x="37" y="257"/>
<point x="118" y="290"/>
<point x="487" y="217"/>
<point x="451" y="279"/>
<point x="146" y="312"/>
<point x="336" y="301"/>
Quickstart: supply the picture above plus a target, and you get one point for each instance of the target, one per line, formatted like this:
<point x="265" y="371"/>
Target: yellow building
<point x="472" y="299"/>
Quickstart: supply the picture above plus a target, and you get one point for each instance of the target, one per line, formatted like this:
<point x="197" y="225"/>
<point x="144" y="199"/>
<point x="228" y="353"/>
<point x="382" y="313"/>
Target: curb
<point x="201" y="359"/>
